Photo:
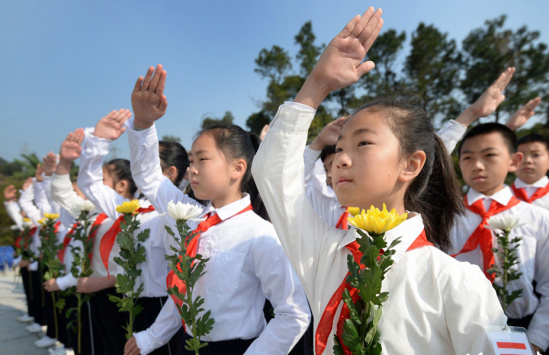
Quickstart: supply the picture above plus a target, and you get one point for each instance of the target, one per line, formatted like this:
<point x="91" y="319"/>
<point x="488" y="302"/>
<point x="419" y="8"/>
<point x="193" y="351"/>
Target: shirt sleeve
<point x="278" y="171"/>
<point x="166" y="324"/>
<point x="90" y="176"/>
<point x="146" y="170"/>
<point x="282" y="288"/>
<point x="14" y="212"/>
<point x="63" y="193"/>
<point x="451" y="133"/>
<point x="539" y="326"/>
<point x="27" y="205"/>
<point x="40" y="198"/>
<point x="66" y="282"/>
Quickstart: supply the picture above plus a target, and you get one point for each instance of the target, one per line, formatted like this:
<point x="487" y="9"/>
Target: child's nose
<point x="343" y="161"/>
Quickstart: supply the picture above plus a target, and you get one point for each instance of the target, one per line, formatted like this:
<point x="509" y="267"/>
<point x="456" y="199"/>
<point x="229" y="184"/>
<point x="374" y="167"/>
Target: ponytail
<point x="440" y="201"/>
<point x="235" y="143"/>
<point x="435" y="192"/>
<point x="120" y="170"/>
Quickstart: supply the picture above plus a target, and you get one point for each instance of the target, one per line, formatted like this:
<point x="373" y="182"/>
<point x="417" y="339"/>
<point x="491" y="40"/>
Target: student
<point x="246" y="262"/>
<point x="486" y="154"/>
<point x="387" y="153"/>
<point x="531" y="184"/>
<point x="173" y="163"/>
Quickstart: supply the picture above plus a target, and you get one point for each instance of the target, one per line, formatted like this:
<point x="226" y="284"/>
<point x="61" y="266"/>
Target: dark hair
<point x="173" y="154"/>
<point x="235" y="143"/>
<point x="120" y="170"/>
<point x="509" y="137"/>
<point x="435" y="192"/>
<point x="534" y="138"/>
<point x="327" y="151"/>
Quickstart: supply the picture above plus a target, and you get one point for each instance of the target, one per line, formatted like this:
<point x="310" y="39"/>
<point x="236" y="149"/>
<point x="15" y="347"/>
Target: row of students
<point x="387" y="152"/>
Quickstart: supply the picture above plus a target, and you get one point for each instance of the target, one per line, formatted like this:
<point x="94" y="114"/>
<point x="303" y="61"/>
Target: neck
<point x="229" y="198"/>
<point x="530" y="181"/>
<point x="492" y="191"/>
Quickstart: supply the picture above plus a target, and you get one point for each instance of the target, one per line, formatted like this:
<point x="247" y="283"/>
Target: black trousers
<point x="55" y="318"/>
<point x="228" y="347"/>
<point x="86" y="331"/>
<point x="151" y="307"/>
<point x="109" y="336"/>
<point x="34" y="292"/>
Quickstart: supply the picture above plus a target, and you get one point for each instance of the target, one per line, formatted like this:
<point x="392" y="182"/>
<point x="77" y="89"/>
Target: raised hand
<point x="521" y="116"/>
<point x="341" y="64"/>
<point x="148" y="100"/>
<point x="112" y="126"/>
<point x="38" y="173"/>
<point x="71" y="148"/>
<point x="489" y="101"/>
<point x="329" y="134"/>
<point x="50" y="163"/>
<point x="10" y="193"/>
<point x="27" y="184"/>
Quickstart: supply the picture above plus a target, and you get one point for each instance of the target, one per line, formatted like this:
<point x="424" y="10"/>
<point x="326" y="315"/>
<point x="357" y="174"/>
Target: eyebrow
<point x="482" y="151"/>
<point x="358" y="132"/>
<point x="198" y="152"/>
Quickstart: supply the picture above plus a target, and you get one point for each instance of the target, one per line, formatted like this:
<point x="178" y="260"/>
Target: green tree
<point x="227" y="118"/>
<point x="490" y="49"/>
<point x="432" y="68"/>
<point x="170" y="138"/>
<point x="308" y="52"/>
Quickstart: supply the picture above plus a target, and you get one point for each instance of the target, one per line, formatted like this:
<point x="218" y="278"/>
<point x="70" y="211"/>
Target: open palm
<point x="112" y="126"/>
<point x="71" y="148"/>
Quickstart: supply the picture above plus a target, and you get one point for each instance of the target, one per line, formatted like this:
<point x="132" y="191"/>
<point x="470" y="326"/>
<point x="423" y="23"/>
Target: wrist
<point x="312" y="93"/>
<point x="140" y="123"/>
<point x="64" y="167"/>
<point x="317" y="144"/>
<point x="467" y="117"/>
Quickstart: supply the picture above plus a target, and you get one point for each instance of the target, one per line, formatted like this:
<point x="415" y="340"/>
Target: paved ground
<point x="14" y="338"/>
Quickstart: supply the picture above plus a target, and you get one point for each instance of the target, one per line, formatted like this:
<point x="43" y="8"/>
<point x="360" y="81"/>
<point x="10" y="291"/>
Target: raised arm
<point x="12" y="207"/>
<point x="523" y="114"/>
<point x="96" y="147"/>
<point x="26" y="202"/>
<point x="149" y="104"/>
<point x="61" y="188"/>
<point x="278" y="167"/>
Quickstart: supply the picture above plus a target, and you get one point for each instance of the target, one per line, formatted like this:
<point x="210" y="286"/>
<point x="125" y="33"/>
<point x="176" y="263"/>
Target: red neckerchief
<point x="325" y="324"/>
<point x="107" y="242"/>
<point x="520" y="192"/>
<point x="66" y="241"/>
<point x="93" y="231"/>
<point x="342" y="221"/>
<point x="483" y="236"/>
<point x="25" y="238"/>
<point x="211" y="220"/>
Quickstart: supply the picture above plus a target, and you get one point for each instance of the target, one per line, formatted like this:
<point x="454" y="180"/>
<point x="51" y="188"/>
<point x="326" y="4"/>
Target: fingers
<point x="348" y="29"/>
<point x="138" y="83"/>
<point x="161" y="83"/>
<point x="532" y="104"/>
<point x="359" y="27"/>
<point x="365" y="67"/>
<point x="147" y="79"/>
<point x="156" y="78"/>
<point x="371" y="30"/>
<point x="163" y="103"/>
<point x="504" y="79"/>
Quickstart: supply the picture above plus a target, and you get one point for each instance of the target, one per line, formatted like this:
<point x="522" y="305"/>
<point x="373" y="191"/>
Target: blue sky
<point x="65" y="64"/>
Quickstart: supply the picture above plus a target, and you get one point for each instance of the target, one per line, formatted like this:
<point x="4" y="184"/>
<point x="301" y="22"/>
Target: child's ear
<point x="171" y="173"/>
<point x="239" y="169"/>
<point x="516" y="158"/>
<point x="121" y="187"/>
<point x="414" y="164"/>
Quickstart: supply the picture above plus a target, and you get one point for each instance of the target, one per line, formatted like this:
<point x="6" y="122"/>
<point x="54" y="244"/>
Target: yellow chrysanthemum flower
<point x="51" y="215"/>
<point x="128" y="207"/>
<point x="42" y="221"/>
<point x="27" y="220"/>
<point x="353" y="210"/>
<point x="376" y="221"/>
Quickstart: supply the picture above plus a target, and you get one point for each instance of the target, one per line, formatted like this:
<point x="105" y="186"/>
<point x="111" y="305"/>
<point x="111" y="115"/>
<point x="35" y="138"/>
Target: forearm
<point x="14" y="212"/>
<point x="63" y="193"/>
<point x="451" y="133"/>
<point x="166" y="324"/>
<point x="40" y="198"/>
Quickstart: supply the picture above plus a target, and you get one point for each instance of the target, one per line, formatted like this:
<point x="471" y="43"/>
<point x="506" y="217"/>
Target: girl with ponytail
<point x="387" y="153"/>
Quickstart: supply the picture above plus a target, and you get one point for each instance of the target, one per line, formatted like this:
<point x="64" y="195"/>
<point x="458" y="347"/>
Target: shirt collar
<point x="407" y="231"/>
<point x="503" y="196"/>
<point x="539" y="184"/>
<point x="231" y="209"/>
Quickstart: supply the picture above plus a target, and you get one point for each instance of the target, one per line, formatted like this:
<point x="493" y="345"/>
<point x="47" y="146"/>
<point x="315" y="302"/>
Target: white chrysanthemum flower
<point x="87" y="206"/>
<point x="504" y="223"/>
<point x="183" y="211"/>
<point x="14" y="227"/>
<point x="27" y="222"/>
